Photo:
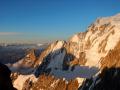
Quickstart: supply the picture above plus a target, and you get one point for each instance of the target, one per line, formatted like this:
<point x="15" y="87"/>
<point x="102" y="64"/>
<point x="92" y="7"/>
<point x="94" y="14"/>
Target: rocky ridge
<point x="83" y="56"/>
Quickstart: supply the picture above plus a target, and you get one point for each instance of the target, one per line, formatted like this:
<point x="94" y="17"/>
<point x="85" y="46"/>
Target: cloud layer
<point x="9" y="33"/>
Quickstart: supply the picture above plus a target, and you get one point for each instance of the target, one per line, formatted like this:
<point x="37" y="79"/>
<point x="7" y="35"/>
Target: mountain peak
<point x="82" y="56"/>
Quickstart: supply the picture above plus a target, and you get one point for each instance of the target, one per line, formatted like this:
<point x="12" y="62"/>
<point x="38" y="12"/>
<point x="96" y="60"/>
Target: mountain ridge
<point x="81" y="57"/>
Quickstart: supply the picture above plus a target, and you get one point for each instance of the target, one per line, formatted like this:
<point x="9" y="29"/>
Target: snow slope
<point x="80" y="57"/>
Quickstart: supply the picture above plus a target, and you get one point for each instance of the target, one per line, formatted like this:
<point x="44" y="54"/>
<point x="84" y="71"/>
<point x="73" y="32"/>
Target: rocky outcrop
<point x="26" y="65"/>
<point x="14" y="76"/>
<point x="30" y="58"/>
<point x="5" y="80"/>
<point x="112" y="59"/>
<point x="108" y="79"/>
<point x="48" y="82"/>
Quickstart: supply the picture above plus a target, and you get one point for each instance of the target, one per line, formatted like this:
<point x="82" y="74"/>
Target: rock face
<point x="108" y="79"/>
<point x="25" y="65"/>
<point x="112" y="59"/>
<point x="5" y="80"/>
<point x="83" y="56"/>
<point x="48" y="82"/>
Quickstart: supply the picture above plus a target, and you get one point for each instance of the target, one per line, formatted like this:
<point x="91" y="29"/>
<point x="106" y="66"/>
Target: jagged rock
<point x="112" y="59"/>
<point x="48" y="82"/>
<point x="14" y="76"/>
<point x="27" y="85"/>
<point x="73" y="85"/>
<point x="26" y="65"/>
<point x="108" y="79"/>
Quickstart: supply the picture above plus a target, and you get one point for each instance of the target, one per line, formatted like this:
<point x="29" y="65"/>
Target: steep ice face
<point x="57" y="60"/>
<point x="52" y="48"/>
<point x="52" y="57"/>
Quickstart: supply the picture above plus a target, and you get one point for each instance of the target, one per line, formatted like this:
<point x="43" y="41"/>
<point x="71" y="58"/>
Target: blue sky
<point x="49" y="20"/>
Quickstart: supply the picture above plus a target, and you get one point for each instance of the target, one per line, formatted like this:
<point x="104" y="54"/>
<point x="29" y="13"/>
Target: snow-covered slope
<point x="101" y="36"/>
<point x="88" y="47"/>
<point x="82" y="55"/>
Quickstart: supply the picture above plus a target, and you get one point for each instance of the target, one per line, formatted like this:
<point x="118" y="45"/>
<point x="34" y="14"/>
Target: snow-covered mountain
<point x="83" y="56"/>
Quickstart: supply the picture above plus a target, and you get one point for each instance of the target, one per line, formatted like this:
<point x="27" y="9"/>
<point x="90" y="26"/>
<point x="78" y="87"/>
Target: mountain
<point x="109" y="77"/>
<point x="79" y="62"/>
<point x="26" y="64"/>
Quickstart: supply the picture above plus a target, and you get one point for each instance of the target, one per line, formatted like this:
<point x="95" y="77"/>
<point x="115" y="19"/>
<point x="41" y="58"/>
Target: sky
<point x="42" y="21"/>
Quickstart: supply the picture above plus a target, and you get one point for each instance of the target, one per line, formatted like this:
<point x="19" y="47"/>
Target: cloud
<point x="9" y="33"/>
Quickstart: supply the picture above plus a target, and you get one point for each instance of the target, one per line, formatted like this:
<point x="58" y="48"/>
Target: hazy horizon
<point x="42" y="21"/>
